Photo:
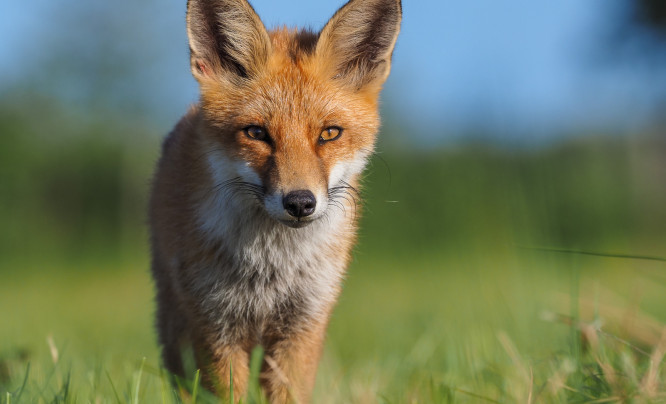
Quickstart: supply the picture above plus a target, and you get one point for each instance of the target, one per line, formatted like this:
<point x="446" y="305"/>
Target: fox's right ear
<point x="227" y="39"/>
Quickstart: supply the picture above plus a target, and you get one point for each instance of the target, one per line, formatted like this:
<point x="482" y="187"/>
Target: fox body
<point x="253" y="206"/>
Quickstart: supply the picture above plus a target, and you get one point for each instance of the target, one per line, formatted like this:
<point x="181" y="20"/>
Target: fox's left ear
<point x="357" y="43"/>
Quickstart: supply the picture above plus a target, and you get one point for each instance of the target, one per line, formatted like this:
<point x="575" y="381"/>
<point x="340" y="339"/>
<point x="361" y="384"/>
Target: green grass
<point x="523" y="326"/>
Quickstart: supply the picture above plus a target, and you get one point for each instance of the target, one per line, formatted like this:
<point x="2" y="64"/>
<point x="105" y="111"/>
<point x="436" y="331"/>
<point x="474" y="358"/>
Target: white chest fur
<point x="264" y="270"/>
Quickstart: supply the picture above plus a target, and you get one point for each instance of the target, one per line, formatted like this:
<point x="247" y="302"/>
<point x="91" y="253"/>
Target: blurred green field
<point x="451" y="296"/>
<point x="430" y="329"/>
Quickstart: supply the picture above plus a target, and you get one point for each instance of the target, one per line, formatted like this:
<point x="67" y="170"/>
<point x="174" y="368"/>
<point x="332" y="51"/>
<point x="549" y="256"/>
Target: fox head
<point x="290" y="117"/>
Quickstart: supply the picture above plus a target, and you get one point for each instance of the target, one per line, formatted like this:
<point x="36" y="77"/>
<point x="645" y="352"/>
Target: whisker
<point x="347" y="192"/>
<point x="339" y="205"/>
<point x="236" y="186"/>
<point x="349" y="187"/>
<point x="253" y="190"/>
<point x="327" y="216"/>
<point x="222" y="186"/>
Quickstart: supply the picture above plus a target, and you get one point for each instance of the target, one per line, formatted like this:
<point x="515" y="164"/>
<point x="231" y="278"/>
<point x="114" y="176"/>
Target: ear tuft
<point x="359" y="40"/>
<point x="227" y="38"/>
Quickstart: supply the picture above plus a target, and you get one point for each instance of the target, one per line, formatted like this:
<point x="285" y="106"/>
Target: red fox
<point x="252" y="211"/>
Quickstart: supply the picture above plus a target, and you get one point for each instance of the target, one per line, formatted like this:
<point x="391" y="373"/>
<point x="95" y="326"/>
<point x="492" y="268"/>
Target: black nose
<point x="299" y="203"/>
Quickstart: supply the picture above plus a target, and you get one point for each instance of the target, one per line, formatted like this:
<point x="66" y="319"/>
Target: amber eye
<point x="256" y="133"/>
<point x="329" y="134"/>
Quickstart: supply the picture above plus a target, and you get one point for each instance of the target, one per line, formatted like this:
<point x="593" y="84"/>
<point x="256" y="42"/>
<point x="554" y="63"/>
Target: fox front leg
<point x="224" y="368"/>
<point x="290" y="365"/>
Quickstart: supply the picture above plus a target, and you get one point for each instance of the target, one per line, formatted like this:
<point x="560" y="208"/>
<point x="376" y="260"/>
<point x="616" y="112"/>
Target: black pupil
<point x="331" y="133"/>
<point x="256" y="132"/>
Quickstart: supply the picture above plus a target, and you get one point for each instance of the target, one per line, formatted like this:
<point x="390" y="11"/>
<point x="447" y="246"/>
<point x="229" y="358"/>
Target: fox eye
<point x="329" y="134"/>
<point x="256" y="133"/>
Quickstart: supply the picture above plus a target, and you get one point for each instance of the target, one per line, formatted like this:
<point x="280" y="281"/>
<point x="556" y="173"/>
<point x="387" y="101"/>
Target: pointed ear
<point x="227" y="38"/>
<point x="358" y="41"/>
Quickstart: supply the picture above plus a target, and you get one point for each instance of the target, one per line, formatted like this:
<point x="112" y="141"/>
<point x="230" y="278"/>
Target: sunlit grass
<point x="514" y="327"/>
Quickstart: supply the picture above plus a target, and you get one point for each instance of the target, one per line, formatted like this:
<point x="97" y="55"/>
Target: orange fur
<point x="241" y="255"/>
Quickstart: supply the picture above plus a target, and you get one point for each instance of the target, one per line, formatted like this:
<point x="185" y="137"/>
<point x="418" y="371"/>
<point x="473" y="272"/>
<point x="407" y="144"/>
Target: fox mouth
<point x="297" y="223"/>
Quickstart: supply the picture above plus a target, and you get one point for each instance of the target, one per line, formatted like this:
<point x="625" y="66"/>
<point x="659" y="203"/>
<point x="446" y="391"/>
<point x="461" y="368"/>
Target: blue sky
<point x="514" y="67"/>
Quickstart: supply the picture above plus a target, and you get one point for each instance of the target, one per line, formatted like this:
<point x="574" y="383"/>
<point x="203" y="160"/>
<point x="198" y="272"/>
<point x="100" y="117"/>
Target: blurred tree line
<point x="72" y="186"/>
<point x="75" y="188"/>
<point x="637" y="38"/>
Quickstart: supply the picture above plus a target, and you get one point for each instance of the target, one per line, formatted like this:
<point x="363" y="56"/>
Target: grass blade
<point x="195" y="387"/>
<point x="231" y="382"/>
<point x="25" y="382"/>
<point x="137" y="384"/>
<point x="596" y="254"/>
<point x="256" y="360"/>
<point x="165" y="386"/>
<point x="113" y="387"/>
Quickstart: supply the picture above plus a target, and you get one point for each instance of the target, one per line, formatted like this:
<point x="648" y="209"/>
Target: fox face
<point x="293" y="139"/>
<point x="289" y="117"/>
